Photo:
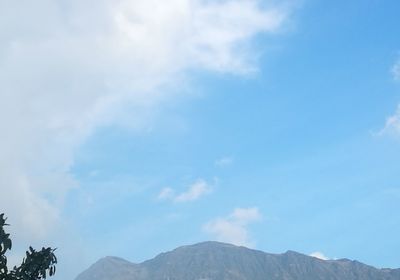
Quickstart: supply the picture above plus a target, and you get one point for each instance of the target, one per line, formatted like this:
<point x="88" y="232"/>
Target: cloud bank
<point x="234" y="228"/>
<point x="68" y="67"/>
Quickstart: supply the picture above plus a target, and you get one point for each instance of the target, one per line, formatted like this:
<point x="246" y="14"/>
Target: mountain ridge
<point x="213" y="260"/>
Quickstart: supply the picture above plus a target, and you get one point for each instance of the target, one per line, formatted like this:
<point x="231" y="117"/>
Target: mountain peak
<point x="208" y="244"/>
<point x="112" y="259"/>
<point x="293" y="253"/>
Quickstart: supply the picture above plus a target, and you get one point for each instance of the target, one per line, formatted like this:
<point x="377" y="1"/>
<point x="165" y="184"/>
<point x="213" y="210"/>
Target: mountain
<point x="220" y="261"/>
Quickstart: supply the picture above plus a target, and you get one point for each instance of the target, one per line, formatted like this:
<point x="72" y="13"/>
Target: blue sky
<point x="274" y="126"/>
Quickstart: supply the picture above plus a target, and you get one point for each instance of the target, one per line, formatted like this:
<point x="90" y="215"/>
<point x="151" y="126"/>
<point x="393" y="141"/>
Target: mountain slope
<point x="109" y="268"/>
<point x="220" y="261"/>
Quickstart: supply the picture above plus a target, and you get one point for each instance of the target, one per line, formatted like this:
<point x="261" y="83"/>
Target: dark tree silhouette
<point x="36" y="264"/>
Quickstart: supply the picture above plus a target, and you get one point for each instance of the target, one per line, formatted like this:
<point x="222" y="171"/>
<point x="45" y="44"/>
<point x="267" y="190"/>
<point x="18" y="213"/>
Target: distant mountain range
<point x="220" y="261"/>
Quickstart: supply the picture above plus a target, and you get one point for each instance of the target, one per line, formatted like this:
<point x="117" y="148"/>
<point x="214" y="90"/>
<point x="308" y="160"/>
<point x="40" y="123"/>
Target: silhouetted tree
<point x="36" y="264"/>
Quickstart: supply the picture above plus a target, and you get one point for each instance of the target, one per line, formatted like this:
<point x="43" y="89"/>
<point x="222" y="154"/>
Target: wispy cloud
<point x="392" y="125"/>
<point x="396" y="71"/>
<point x="224" y="161"/>
<point x="195" y="191"/>
<point x="166" y="193"/>
<point x="234" y="228"/>
<point x="319" y="255"/>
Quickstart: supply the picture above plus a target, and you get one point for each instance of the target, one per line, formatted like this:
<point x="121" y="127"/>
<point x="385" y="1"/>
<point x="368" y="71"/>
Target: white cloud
<point x="319" y="255"/>
<point x="396" y="71"/>
<point x="392" y="125"/>
<point x="194" y="192"/>
<point x="224" y="161"/>
<point x="68" y="67"/>
<point x="234" y="228"/>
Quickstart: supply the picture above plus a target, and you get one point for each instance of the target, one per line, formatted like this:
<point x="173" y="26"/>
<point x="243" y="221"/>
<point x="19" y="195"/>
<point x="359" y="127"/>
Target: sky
<point x="132" y="127"/>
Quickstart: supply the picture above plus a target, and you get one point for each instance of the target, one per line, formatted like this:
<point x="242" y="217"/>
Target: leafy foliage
<point x="36" y="264"/>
